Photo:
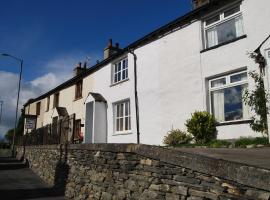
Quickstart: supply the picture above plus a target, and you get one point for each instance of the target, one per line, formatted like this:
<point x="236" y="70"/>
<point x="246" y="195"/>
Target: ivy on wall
<point x="257" y="99"/>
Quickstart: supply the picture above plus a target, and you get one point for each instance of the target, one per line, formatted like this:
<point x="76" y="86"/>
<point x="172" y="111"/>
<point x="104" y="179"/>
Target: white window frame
<point x="221" y="20"/>
<point x="115" y="117"/>
<point x="114" y="73"/>
<point x="228" y="84"/>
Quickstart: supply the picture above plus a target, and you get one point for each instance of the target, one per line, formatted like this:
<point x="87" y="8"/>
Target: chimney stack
<point x="78" y="69"/>
<point x="110" y="49"/>
<point x="198" y="3"/>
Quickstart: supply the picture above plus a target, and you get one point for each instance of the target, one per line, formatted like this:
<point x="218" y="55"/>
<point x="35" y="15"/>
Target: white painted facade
<point x="173" y="81"/>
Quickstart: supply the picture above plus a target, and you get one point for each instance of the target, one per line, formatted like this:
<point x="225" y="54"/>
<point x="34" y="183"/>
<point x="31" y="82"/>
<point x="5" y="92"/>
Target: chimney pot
<point x="79" y="65"/>
<point x="110" y="43"/>
<point x="85" y="65"/>
<point x="117" y="45"/>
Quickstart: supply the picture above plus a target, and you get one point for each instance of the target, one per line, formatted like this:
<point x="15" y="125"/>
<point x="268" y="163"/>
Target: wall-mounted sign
<point x="30" y="122"/>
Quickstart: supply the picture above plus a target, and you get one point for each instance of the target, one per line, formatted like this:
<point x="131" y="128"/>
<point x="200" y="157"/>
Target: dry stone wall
<point x="119" y="171"/>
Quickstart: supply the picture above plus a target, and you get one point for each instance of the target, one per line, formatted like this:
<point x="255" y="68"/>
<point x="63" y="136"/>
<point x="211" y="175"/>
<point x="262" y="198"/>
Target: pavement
<point x="258" y="157"/>
<point x="17" y="181"/>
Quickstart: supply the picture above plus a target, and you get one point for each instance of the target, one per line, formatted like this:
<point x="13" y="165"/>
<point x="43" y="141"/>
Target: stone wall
<point x="127" y="171"/>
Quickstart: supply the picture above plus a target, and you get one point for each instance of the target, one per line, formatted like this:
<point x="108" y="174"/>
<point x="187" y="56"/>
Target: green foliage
<point x="9" y="135"/>
<point x="257" y="100"/>
<point x="219" y="143"/>
<point x="202" y="126"/>
<point x="19" y="130"/>
<point x="176" y="137"/>
<point x="244" y="141"/>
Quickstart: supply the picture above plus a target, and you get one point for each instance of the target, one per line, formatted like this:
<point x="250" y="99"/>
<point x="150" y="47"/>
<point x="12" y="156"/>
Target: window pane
<point x="230" y="30"/>
<point x="115" y="68"/>
<point x="126" y="123"/>
<point x="219" y="82"/>
<point x="231" y="11"/>
<point x="212" y="20"/>
<point x="238" y="77"/>
<point x="129" y="123"/>
<point x="117" y="110"/>
<point x="217" y="99"/>
<point x="118" y="76"/>
<point x="226" y="31"/>
<point x="115" y="78"/>
<point x="117" y="124"/>
<point x="121" y="124"/>
<point x="212" y="37"/>
<point x="124" y="64"/>
<point x="121" y="110"/>
<point x="126" y="108"/>
<point x="119" y="67"/>
<point x="233" y="103"/>
<point x="124" y="75"/>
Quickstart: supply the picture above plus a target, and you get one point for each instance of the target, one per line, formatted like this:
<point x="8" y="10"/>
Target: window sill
<point x="113" y="84"/>
<point x="122" y="133"/>
<point x="244" y="121"/>
<point x="77" y="98"/>
<point x="224" y="43"/>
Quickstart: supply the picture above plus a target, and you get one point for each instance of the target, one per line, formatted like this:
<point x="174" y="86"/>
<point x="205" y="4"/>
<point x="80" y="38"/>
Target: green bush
<point x="219" y="143"/>
<point x="176" y="137"/>
<point x="202" y="126"/>
<point x="244" y="141"/>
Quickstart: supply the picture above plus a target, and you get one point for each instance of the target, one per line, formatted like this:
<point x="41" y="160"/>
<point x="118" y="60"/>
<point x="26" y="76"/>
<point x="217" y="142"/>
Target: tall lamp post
<point x="1" y="109"/>
<point x="18" y="97"/>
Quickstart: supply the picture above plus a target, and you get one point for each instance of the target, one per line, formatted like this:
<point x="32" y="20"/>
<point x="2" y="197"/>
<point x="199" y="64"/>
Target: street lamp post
<point x="18" y="98"/>
<point x="1" y="109"/>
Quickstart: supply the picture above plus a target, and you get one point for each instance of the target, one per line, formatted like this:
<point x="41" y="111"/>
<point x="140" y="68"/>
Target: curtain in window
<point x="218" y="105"/>
<point x="239" y="26"/>
<point x="245" y="107"/>
<point x="212" y="37"/>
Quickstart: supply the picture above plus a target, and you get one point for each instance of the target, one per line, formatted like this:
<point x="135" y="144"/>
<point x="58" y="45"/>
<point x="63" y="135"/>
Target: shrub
<point x="176" y="137"/>
<point x="219" y="143"/>
<point x="202" y="126"/>
<point x="244" y="141"/>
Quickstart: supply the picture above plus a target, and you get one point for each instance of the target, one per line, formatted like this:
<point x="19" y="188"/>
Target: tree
<point x="9" y="135"/>
<point x="19" y="130"/>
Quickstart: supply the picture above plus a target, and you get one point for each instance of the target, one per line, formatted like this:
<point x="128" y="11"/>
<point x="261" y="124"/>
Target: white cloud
<point x="47" y="81"/>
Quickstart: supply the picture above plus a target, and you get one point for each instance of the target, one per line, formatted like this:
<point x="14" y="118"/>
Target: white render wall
<point x="172" y="80"/>
<point x="173" y="74"/>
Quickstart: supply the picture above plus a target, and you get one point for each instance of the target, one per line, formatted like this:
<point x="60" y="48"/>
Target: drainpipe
<point x="136" y="95"/>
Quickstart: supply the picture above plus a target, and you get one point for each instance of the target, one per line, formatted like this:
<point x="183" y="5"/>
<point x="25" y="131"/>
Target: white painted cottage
<point x="196" y="62"/>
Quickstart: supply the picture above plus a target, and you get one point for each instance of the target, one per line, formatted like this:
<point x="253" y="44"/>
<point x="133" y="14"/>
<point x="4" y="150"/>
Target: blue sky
<point x="53" y="35"/>
<point x="40" y="31"/>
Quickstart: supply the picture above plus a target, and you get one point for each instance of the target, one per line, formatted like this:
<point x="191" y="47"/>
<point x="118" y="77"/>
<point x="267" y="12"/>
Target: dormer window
<point x="120" y="71"/>
<point x="223" y="27"/>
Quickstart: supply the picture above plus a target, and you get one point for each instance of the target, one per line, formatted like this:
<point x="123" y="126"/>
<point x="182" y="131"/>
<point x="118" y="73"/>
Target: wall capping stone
<point x="241" y="173"/>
